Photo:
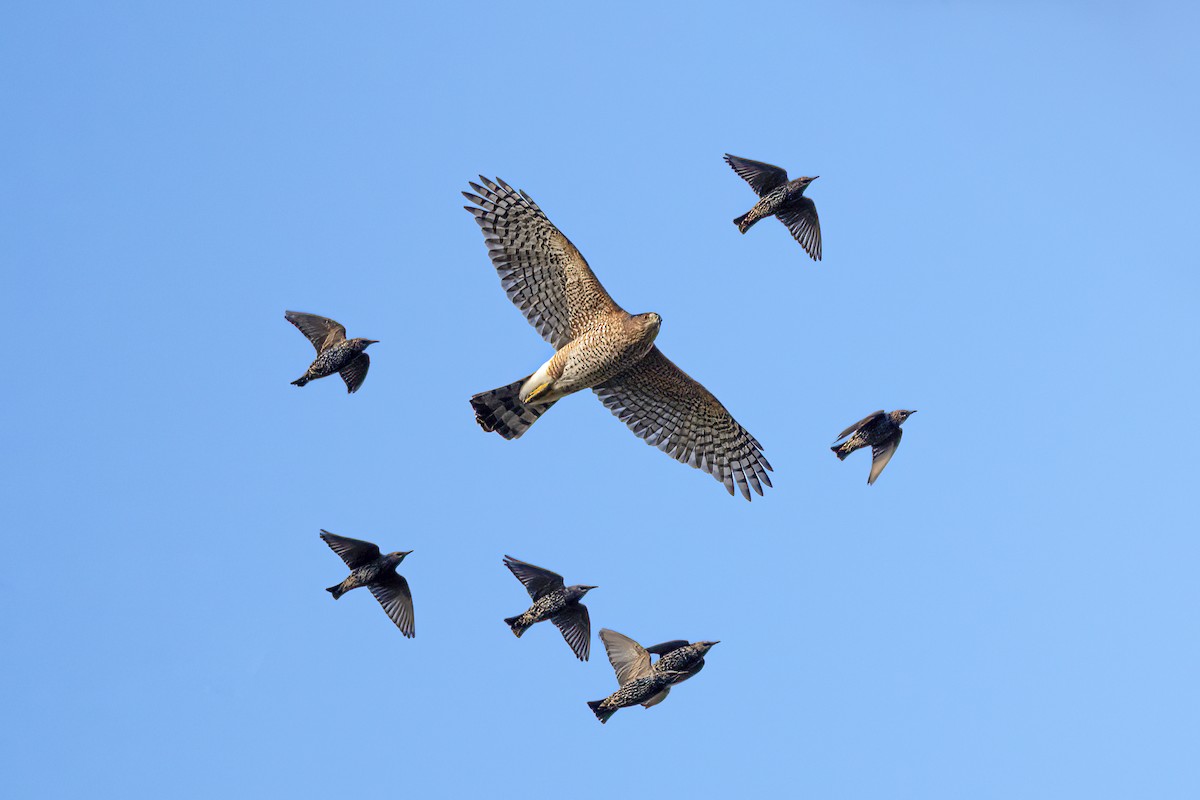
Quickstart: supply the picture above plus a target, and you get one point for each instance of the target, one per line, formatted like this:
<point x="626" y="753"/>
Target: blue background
<point x="1008" y="206"/>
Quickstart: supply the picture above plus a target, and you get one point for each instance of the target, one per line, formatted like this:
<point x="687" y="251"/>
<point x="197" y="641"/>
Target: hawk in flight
<point x="598" y="346"/>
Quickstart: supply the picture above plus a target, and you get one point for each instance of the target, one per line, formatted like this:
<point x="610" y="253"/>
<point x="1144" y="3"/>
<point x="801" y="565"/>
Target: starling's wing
<point x="689" y="673"/>
<point x="628" y="658"/>
<point x="355" y="372"/>
<point x="576" y="628"/>
<point x="391" y="590"/>
<point x="800" y="216"/>
<point x="666" y="647"/>
<point x="881" y="454"/>
<point x="355" y="552"/>
<point x="321" y="331"/>
<point x="658" y="698"/>
<point x="537" y="581"/>
<point x="661" y="404"/>
<point x="868" y="418"/>
<point x="761" y="177"/>
<point x="542" y="272"/>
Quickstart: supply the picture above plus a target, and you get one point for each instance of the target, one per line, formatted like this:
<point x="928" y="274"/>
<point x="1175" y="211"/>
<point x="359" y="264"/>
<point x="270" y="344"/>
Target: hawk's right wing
<point x="542" y="272"/>
<point x="663" y="405"/>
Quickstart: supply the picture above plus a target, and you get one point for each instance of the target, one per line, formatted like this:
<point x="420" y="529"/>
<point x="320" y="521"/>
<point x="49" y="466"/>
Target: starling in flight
<point x="643" y="683"/>
<point x="780" y="198"/>
<point x="599" y="346"/>
<point x="555" y="602"/>
<point x="879" y="430"/>
<point x="370" y="568"/>
<point x="335" y="353"/>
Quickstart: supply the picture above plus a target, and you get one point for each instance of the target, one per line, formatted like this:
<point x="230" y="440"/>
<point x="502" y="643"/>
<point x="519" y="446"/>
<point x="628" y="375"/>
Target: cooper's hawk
<point x="598" y="346"/>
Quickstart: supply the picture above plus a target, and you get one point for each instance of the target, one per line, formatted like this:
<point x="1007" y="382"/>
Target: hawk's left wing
<point x="545" y="276"/>
<point x="663" y="405"/>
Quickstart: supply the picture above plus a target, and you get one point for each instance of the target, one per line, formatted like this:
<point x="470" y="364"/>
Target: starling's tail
<point x="502" y="411"/>
<point x="515" y="624"/>
<point x="303" y="379"/>
<point x="336" y="591"/>
<point x="839" y="452"/>
<point x="741" y="223"/>
<point x="603" y="716"/>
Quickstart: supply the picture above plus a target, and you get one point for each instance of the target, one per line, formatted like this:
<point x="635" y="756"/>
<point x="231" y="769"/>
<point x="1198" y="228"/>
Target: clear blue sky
<point x="1008" y="201"/>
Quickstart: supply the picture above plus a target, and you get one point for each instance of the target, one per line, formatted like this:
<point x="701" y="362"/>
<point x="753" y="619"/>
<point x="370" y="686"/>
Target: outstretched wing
<point x="663" y="405"/>
<point x="321" y="331"/>
<point x="355" y="552"/>
<point x="800" y="217"/>
<point x="762" y="177"/>
<point x="537" y="581"/>
<point x="666" y="647"/>
<point x="355" y="372"/>
<point x="628" y="658"/>
<point x="392" y="592"/>
<point x="881" y="454"/>
<point x="576" y="628"/>
<point x="868" y="418"/>
<point x="542" y="272"/>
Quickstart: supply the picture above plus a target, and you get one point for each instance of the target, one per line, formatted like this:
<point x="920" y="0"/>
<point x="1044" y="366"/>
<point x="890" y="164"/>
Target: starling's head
<point x="363" y="344"/>
<point x="804" y="182"/>
<point x="580" y="590"/>
<point x="706" y="646"/>
<point x="398" y="556"/>
<point x="898" y="417"/>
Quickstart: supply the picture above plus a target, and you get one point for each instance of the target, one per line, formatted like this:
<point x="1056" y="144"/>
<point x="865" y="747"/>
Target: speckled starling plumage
<point x="643" y="683"/>
<point x="780" y="198"/>
<point x="335" y="353"/>
<point x="880" y="431"/>
<point x="554" y="601"/>
<point x="598" y="346"/>
<point x="377" y="571"/>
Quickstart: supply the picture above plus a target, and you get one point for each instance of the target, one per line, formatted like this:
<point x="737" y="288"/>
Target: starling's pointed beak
<point x="813" y="178"/>
<point x="407" y="553"/>
<point x="372" y="341"/>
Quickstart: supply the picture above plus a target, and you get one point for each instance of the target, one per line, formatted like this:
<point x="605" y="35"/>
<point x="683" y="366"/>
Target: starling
<point x="780" y="198"/>
<point x="555" y="602"/>
<point x="641" y="682"/>
<point x="335" y="353"/>
<point x="879" y="430"/>
<point x="370" y="568"/>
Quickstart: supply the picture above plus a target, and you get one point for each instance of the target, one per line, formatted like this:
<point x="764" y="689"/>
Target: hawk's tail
<point x="502" y="411"/>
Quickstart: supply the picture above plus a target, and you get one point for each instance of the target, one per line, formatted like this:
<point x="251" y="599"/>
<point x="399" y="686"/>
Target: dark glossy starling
<point x="335" y="353"/>
<point x="376" y="571"/>
<point x="780" y="198"/>
<point x="555" y="602"/>
<point x="879" y="430"/>
<point x="642" y="682"/>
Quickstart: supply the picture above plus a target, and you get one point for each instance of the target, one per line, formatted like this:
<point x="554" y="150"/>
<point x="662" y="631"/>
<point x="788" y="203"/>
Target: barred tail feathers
<point x="502" y="411"/>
